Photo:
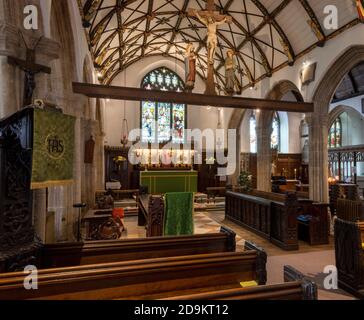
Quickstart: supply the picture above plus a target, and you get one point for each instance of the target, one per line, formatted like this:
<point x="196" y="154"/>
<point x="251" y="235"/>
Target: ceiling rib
<point x="122" y="34"/>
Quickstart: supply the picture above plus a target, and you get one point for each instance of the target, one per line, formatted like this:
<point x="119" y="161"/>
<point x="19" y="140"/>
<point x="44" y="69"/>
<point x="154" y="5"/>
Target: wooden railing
<point x="272" y="216"/>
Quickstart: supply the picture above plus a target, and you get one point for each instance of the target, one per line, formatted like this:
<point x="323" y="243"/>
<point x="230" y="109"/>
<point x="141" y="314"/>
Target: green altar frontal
<point x="169" y="181"/>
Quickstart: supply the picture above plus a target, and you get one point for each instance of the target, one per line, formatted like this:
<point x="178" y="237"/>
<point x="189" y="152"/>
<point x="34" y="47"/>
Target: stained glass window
<point x="170" y="119"/>
<point x="276" y="132"/>
<point x="148" y="122"/>
<point x="335" y="134"/>
<point x="179" y="121"/>
<point x="253" y="133"/>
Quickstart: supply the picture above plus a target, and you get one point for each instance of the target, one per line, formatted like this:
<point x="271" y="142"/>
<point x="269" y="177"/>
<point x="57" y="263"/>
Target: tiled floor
<point x="310" y="260"/>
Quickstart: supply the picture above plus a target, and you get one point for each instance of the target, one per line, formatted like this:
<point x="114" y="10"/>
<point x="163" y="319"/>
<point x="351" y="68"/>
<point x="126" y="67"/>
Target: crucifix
<point x="211" y="19"/>
<point x="30" y="69"/>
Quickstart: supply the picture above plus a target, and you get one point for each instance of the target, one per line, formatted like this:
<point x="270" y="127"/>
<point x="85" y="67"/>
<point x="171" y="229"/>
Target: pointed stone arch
<point x="264" y="121"/>
<point x="337" y="111"/>
<point x="319" y="121"/>
<point x="264" y="131"/>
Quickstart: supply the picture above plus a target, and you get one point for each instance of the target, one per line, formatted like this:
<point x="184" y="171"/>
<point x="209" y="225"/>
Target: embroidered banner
<point x="53" y="149"/>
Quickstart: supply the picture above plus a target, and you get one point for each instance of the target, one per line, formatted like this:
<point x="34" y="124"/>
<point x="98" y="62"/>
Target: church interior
<point x="182" y="150"/>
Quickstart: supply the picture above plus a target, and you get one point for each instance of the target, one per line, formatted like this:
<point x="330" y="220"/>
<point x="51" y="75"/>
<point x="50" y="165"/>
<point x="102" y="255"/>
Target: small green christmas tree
<point x="245" y="181"/>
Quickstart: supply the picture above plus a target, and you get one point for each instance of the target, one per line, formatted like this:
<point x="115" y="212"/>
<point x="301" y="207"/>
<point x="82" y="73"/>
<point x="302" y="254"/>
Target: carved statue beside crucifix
<point x="30" y="69"/>
<point x="211" y="19"/>
<point x="360" y="7"/>
<point x="287" y="51"/>
<point x="230" y="68"/>
<point x="190" y="63"/>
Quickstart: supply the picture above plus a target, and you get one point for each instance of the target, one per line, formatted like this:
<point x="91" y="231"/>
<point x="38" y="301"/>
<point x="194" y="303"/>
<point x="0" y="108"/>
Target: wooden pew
<point x="151" y="214"/>
<point x="285" y="291"/>
<point x="350" y="210"/>
<point x="349" y="253"/>
<point x="315" y="230"/>
<point x="296" y="287"/>
<point x="342" y="191"/>
<point x="272" y="216"/>
<point x="139" y="279"/>
<point x="73" y="254"/>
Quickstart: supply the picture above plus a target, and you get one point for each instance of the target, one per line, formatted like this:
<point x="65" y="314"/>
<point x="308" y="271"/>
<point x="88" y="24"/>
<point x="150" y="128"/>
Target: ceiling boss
<point x="211" y="19"/>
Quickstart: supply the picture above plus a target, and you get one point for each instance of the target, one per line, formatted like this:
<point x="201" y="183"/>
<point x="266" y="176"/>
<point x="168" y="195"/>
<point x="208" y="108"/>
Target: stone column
<point x="318" y="156"/>
<point x="100" y="161"/>
<point x="234" y="179"/>
<point x="9" y="75"/>
<point x="264" y="156"/>
<point x="40" y="213"/>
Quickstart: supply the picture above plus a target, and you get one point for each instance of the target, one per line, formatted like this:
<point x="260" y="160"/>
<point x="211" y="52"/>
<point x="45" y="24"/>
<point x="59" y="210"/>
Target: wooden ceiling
<point x="352" y="84"/>
<point x="267" y="35"/>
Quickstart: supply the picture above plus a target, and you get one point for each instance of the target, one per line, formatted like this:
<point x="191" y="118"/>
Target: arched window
<point x="276" y="132"/>
<point x="162" y="122"/>
<point x="253" y="133"/>
<point x="335" y="134"/>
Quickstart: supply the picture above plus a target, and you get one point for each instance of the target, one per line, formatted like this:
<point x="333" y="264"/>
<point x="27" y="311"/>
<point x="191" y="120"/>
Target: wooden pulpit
<point x="19" y="246"/>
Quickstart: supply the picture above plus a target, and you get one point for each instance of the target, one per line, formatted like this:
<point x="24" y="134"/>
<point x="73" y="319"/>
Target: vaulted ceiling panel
<point x="265" y="34"/>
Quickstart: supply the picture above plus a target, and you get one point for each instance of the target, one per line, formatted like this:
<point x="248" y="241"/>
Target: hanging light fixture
<point x="124" y="125"/>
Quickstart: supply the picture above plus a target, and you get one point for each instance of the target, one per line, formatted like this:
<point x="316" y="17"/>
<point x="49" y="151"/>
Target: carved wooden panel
<point x="18" y="244"/>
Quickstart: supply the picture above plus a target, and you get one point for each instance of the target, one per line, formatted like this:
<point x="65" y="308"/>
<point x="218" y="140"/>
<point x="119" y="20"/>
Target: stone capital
<point x="317" y="119"/>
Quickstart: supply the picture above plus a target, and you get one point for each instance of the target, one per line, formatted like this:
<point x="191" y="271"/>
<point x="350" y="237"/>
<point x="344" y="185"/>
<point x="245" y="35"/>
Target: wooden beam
<point x="136" y="94"/>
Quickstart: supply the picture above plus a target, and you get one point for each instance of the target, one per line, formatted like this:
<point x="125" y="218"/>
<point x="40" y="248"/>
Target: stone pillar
<point x="9" y="75"/>
<point x="40" y="213"/>
<point x="318" y="156"/>
<point x="234" y="179"/>
<point x="100" y="161"/>
<point x="264" y="157"/>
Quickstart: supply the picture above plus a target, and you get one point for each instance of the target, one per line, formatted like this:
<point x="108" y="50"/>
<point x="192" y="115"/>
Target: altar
<point x="169" y="181"/>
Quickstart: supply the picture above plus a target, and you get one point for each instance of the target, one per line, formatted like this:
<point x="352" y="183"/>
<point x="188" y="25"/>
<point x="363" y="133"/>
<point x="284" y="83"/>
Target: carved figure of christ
<point x="211" y="19"/>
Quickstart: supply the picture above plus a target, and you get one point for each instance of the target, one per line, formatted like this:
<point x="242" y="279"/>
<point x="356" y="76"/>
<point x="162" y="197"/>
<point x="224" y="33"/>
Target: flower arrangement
<point x="245" y="181"/>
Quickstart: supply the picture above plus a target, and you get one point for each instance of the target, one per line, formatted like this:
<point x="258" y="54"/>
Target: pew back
<point x="284" y="291"/>
<point x="349" y="254"/>
<point x="140" y="279"/>
<point x="297" y="287"/>
<point x="350" y="210"/>
<point x="273" y="216"/>
<point x="73" y="254"/>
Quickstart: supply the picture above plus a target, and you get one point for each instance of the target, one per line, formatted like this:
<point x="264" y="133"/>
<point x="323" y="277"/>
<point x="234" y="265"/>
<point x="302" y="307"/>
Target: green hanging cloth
<point x="178" y="217"/>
